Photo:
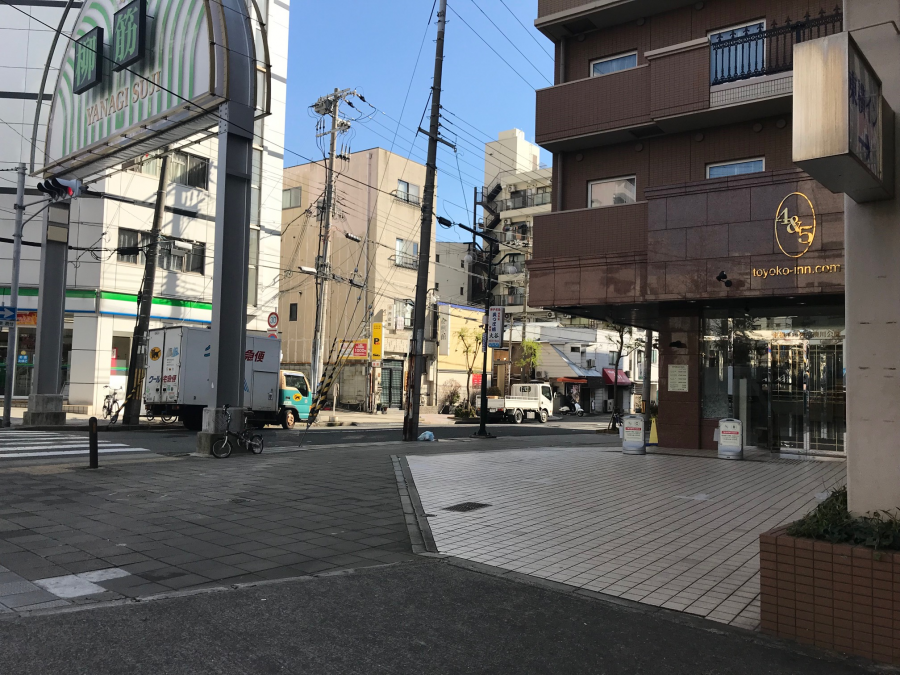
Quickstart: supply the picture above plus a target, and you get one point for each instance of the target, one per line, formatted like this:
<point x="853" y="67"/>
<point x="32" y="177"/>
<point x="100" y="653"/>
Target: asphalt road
<point x="420" y="617"/>
<point x="177" y="440"/>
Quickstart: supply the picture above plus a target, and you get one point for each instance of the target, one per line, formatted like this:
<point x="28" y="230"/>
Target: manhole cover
<point x="466" y="506"/>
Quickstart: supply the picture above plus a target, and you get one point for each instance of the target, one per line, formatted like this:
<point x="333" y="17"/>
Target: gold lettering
<point x="135" y="93"/>
<point x="120" y="99"/>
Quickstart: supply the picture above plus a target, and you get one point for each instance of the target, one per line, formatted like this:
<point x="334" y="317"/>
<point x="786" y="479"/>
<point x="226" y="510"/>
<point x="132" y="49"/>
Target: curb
<point x="420" y="534"/>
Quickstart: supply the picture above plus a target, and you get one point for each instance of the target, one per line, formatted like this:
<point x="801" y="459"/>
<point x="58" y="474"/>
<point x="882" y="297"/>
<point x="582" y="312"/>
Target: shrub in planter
<point x="833" y="579"/>
<point x="494" y="391"/>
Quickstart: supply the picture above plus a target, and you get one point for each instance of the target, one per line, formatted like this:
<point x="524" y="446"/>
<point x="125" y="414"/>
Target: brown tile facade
<point x="835" y="596"/>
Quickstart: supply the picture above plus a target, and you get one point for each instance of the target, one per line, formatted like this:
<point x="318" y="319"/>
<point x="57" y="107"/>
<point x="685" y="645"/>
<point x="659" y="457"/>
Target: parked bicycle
<point x="222" y="447"/>
<point x="111" y="405"/>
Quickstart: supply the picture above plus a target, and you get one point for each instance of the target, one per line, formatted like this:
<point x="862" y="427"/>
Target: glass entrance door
<point x="807" y="393"/>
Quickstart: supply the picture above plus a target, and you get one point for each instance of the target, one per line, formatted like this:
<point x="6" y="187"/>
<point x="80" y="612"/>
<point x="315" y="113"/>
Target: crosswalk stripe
<point x="62" y="446"/>
<point x="60" y="453"/>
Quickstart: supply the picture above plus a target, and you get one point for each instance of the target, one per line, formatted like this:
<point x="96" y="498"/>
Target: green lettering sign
<point x="88" y="60"/>
<point x="129" y="31"/>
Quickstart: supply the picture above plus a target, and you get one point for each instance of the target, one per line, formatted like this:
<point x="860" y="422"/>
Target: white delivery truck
<point x="525" y="401"/>
<point x="178" y="375"/>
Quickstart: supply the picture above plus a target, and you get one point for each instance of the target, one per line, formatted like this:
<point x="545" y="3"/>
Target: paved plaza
<point x="680" y="532"/>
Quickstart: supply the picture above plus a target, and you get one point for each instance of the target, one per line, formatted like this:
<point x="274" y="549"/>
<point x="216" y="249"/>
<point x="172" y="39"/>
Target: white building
<point x="451" y="272"/>
<point x="102" y="286"/>
<point x="525" y="190"/>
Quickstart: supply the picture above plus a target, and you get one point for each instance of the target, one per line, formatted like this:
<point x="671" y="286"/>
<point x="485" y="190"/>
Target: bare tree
<point x="626" y="343"/>
<point x="470" y="344"/>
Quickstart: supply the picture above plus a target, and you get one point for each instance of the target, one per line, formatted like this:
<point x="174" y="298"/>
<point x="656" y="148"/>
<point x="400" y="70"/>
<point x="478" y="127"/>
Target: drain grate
<point x="466" y="506"/>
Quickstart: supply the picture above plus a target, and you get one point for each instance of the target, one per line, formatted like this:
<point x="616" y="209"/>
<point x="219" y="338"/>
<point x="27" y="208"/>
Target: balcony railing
<point x="406" y="260"/>
<point x="407" y="198"/>
<point x="523" y="201"/>
<point x="511" y="268"/>
<point x="741" y="54"/>
<point x="509" y="300"/>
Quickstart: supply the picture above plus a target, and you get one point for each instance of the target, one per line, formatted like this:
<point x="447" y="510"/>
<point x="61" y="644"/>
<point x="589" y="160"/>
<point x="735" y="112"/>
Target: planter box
<point x="835" y="596"/>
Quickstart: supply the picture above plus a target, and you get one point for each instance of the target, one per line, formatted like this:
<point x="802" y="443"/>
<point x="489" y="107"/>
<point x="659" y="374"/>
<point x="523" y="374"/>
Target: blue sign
<point x="7" y="313"/>
<point x="23" y="358"/>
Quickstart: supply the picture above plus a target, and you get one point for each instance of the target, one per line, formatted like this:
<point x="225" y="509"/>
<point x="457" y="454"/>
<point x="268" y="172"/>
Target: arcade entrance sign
<point x="139" y="75"/>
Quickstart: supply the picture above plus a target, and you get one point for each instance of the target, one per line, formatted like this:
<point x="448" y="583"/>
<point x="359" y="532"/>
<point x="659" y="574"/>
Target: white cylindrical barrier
<point x="633" y="435"/>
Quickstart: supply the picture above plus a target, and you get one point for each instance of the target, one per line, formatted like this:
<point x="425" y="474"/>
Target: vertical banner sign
<point x="88" y="60"/>
<point x="377" y="330"/>
<point x="495" y="327"/>
<point x="129" y="33"/>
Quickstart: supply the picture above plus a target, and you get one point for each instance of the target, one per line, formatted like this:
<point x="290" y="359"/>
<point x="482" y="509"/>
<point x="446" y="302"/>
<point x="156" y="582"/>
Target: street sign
<point x="377" y="331"/>
<point x="495" y="327"/>
<point x="273" y="319"/>
<point x="7" y="317"/>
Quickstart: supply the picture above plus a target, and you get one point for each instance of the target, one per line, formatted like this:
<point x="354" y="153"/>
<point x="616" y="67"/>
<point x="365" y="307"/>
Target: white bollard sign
<point x="731" y="439"/>
<point x="633" y="435"/>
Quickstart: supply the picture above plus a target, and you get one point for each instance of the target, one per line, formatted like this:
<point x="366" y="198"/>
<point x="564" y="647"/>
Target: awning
<point x="609" y="376"/>
<point x="572" y="380"/>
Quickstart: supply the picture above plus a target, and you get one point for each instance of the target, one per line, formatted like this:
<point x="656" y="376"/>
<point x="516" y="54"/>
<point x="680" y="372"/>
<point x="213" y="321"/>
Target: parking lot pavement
<point x="679" y="532"/>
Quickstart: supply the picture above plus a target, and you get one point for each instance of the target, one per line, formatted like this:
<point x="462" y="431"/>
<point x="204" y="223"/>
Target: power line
<point x="515" y="70"/>
<point x="525" y="28"/>
<point x="511" y="42"/>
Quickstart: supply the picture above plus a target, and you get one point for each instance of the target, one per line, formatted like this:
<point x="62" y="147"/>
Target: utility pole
<point x="648" y="372"/>
<point x="411" y="422"/>
<point x="137" y="361"/>
<point x="326" y="105"/>
<point x="11" y="342"/>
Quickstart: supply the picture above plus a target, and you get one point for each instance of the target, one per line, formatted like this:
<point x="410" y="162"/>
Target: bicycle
<point x="111" y="405"/>
<point x="222" y="447"/>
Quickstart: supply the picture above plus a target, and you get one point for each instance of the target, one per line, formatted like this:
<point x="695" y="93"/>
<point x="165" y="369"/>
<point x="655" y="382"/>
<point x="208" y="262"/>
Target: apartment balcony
<point x="406" y="260"/>
<point x="612" y="230"/>
<point x="523" y="201"/>
<point x="407" y="198"/>
<point x="510" y="272"/>
<point x="738" y="76"/>
<point x="512" y="301"/>
<point x="562" y="18"/>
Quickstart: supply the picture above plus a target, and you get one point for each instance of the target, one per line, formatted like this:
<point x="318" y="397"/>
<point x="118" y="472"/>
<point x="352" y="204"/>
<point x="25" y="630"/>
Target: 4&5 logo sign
<point x="794" y="234"/>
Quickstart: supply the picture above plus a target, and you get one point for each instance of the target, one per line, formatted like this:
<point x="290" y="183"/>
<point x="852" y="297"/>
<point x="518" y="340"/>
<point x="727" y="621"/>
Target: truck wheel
<point x="544" y="416"/>
<point x="518" y="417"/>
<point x="192" y="419"/>
<point x="288" y="419"/>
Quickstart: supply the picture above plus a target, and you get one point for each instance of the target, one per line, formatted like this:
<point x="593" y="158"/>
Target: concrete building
<point x="375" y="237"/>
<point x="452" y="279"/>
<point x="512" y="166"/>
<point x="459" y="352"/>
<point x="102" y="287"/>
<point x="676" y="207"/>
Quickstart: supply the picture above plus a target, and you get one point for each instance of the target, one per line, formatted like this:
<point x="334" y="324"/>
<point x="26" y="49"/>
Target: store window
<point x="612" y="192"/>
<point x="183" y="169"/>
<point x="613" y="64"/>
<point x="723" y="169"/>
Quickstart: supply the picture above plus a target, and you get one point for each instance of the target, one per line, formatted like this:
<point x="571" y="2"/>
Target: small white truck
<point x="178" y="375"/>
<point x="525" y="401"/>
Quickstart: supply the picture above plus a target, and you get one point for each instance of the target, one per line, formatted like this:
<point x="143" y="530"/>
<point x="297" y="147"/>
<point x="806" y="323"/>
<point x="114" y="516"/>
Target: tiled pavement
<point x="174" y="523"/>
<point x="673" y="531"/>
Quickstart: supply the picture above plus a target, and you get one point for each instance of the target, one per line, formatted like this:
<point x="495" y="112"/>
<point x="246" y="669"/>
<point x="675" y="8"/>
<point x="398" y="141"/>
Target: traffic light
<point x="58" y="189"/>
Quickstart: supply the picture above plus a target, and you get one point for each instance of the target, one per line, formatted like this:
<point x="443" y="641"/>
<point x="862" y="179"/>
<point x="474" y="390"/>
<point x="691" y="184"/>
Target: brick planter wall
<point x="835" y="596"/>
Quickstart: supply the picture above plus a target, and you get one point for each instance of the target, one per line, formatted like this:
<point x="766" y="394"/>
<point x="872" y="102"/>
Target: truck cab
<point x="295" y="397"/>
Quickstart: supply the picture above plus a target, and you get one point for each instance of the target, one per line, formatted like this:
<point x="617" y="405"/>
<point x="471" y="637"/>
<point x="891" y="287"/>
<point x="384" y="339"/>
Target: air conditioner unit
<point x="540" y="374"/>
<point x="506" y="221"/>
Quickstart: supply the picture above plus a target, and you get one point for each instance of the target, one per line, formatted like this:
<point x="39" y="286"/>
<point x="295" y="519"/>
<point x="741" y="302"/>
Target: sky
<point x="386" y="49"/>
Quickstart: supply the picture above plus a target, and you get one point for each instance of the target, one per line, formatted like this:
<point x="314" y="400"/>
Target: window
<point x="290" y="198"/>
<point x="403" y="314"/>
<point x="183" y="168"/>
<point x="177" y="255"/>
<point x="407" y="192"/>
<point x="292" y="312"/>
<point x="723" y="169"/>
<point x="461" y="290"/>
<point x="406" y="254"/>
<point x="612" y="192"/>
<point x="462" y="264"/>
<point x="613" y="358"/>
<point x="613" y="64"/>
<point x="437" y="257"/>
<point x="129" y="239"/>
<point x="437" y="286"/>
<point x="739" y="61"/>
<point x="255" y="185"/>
<point x="253" y="268"/>
<point x="296" y="381"/>
<point x="575" y="350"/>
<point x="654" y="356"/>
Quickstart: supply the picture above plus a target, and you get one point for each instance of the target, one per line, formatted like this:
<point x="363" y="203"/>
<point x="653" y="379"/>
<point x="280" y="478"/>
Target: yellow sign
<point x="793" y="234"/>
<point x="376" y="341"/>
<point x="297" y="397"/>
<point x="155" y="353"/>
